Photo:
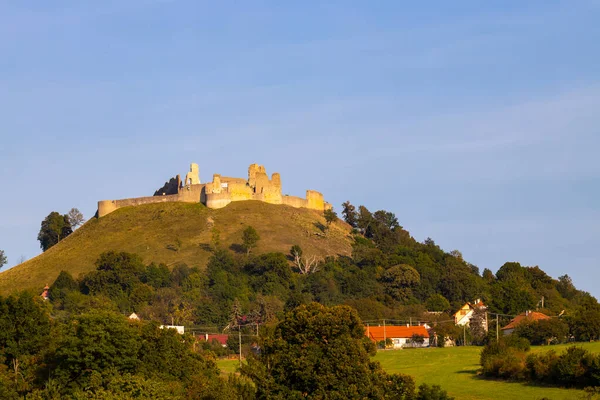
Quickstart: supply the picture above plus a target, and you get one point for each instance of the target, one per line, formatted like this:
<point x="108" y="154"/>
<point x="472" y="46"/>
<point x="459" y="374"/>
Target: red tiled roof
<point x="528" y="315"/>
<point x="219" y="337"/>
<point x="376" y="333"/>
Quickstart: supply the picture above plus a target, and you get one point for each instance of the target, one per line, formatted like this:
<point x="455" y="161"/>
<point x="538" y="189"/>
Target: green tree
<point x="63" y="284"/>
<point x="98" y="341"/>
<point x="330" y="216"/>
<point x="3" y="259"/>
<point x="398" y="281"/>
<point x="349" y="214"/>
<point x="24" y="329"/>
<point x="320" y="352"/>
<point x="249" y="239"/>
<point x="55" y="227"/>
<point x="437" y="302"/>
<point x="364" y="220"/>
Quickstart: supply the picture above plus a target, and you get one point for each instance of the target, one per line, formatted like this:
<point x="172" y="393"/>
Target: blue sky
<point x="476" y="123"/>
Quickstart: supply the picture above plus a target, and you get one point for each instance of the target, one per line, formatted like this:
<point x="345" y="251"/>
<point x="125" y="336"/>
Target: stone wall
<point x="170" y="187"/>
<point x="315" y="200"/>
<point x="187" y="194"/>
<point x="294" y="201"/>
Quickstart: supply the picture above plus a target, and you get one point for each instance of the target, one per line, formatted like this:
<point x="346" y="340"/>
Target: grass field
<point x="455" y="369"/>
<point x="178" y="233"/>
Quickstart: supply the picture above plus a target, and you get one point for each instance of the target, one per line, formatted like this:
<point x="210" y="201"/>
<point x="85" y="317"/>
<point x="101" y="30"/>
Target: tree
<point x="478" y="325"/>
<point x="24" y="329"/>
<point x="330" y="216"/>
<point x="417" y="340"/>
<point x="364" y="220"/>
<point x="55" y="227"/>
<point x="95" y="342"/>
<point x="75" y="218"/>
<point x="63" y="284"/>
<point x="322" y="353"/>
<point x="306" y="265"/>
<point x="349" y="214"/>
<point x="3" y="259"/>
<point x="250" y="238"/>
<point x="437" y="302"/>
<point x="398" y="281"/>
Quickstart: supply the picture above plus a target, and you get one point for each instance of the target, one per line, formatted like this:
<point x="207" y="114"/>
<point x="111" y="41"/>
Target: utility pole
<point x="497" y="332"/>
<point x="464" y="334"/>
<point x="384" y="336"/>
<point x="410" y="320"/>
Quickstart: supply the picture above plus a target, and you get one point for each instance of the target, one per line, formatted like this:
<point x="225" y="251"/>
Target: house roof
<point x="471" y="306"/>
<point x="219" y="337"/>
<point x="527" y="315"/>
<point x="377" y="333"/>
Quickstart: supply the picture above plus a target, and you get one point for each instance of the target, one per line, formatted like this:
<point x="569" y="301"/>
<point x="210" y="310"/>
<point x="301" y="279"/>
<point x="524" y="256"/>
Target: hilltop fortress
<point x="221" y="191"/>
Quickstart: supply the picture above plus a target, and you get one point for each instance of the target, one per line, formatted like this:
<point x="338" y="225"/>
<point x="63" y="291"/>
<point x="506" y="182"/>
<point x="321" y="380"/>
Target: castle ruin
<point x="221" y="191"/>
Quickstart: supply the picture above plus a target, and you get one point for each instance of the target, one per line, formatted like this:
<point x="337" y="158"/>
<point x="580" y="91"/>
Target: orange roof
<point x="527" y="315"/>
<point x="376" y="333"/>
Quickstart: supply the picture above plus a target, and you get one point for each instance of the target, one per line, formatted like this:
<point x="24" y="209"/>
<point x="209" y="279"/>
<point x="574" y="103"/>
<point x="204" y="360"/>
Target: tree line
<point x="95" y="352"/>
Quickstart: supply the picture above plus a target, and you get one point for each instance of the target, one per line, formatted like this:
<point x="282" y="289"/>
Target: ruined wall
<point x="239" y="191"/>
<point x="217" y="200"/>
<point x="193" y="177"/>
<point x="189" y="194"/>
<point x="170" y="187"/>
<point x="315" y="200"/>
<point x="294" y="201"/>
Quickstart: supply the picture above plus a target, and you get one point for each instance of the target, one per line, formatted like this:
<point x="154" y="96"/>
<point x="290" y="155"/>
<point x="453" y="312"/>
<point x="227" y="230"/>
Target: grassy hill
<point x="174" y="233"/>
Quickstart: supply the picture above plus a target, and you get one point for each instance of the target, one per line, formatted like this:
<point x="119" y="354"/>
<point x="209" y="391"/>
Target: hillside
<point x="174" y="233"/>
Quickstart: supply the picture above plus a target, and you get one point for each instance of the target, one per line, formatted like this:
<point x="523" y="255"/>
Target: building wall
<point x="406" y="342"/>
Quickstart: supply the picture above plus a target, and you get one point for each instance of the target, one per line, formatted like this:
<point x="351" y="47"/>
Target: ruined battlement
<point x="221" y="191"/>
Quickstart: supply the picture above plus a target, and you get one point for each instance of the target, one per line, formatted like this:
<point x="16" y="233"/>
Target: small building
<point x="179" y="329"/>
<point x="45" y="294"/>
<point x="134" y="317"/>
<point x="219" y="337"/>
<point x="526" y="316"/>
<point x="401" y="336"/>
<point x="464" y="315"/>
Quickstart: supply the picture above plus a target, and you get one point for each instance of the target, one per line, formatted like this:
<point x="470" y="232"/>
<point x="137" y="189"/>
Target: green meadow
<point x="455" y="369"/>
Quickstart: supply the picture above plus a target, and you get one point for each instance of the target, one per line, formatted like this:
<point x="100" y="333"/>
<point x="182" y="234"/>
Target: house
<point x="179" y="329"/>
<point x="134" y="317"/>
<point x="45" y="294"/>
<point x="526" y="316"/>
<point x="464" y="315"/>
<point x="209" y="337"/>
<point x="401" y="336"/>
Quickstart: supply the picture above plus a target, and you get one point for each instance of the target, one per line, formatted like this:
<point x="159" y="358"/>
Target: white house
<point x="180" y="329"/>
<point x="464" y="315"/>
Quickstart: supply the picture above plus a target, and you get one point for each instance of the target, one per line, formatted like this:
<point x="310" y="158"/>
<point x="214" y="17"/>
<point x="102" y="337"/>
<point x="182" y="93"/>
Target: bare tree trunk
<point x="15" y="363"/>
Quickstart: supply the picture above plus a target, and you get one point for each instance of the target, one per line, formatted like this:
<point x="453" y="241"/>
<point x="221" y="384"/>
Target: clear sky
<point x="476" y="122"/>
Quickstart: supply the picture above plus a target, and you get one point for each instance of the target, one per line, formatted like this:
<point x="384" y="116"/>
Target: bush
<point x="575" y="367"/>
<point x="434" y="392"/>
